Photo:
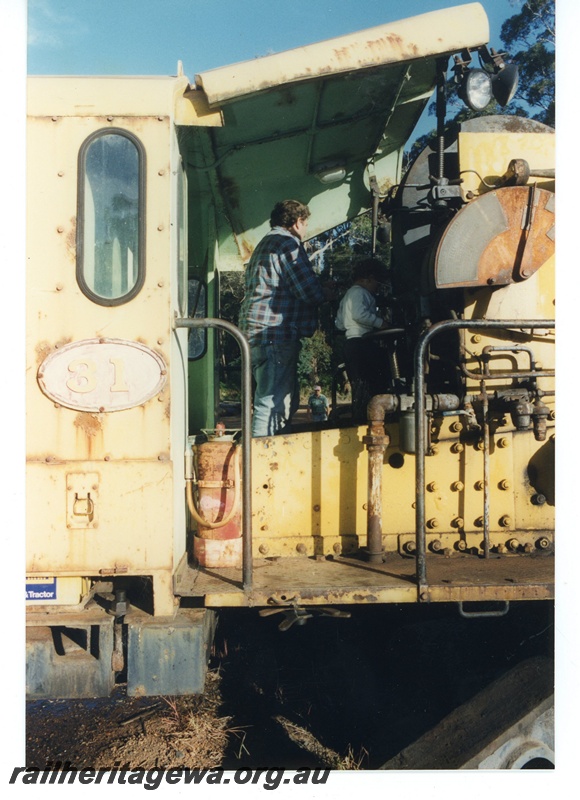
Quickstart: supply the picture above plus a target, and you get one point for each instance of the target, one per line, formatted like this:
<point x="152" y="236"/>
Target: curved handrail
<point x="209" y="322"/>
<point x="420" y="433"/>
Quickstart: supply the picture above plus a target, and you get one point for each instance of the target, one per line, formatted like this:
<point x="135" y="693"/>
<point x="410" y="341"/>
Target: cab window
<point x="111" y="217"/>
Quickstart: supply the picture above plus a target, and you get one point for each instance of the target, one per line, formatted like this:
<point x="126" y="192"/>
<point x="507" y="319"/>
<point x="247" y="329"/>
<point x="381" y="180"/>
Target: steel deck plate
<point x="313" y="581"/>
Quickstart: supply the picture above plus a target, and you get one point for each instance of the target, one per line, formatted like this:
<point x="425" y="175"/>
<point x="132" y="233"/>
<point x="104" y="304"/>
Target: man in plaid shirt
<point x="279" y="308"/>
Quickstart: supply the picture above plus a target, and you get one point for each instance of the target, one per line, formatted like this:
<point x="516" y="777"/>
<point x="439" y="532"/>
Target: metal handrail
<point x="210" y="322"/>
<point x="420" y="432"/>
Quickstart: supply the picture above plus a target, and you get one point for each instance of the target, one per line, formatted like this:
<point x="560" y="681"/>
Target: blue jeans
<point x="277" y="395"/>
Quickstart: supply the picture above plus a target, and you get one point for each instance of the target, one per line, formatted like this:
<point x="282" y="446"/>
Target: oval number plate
<point x="102" y="375"/>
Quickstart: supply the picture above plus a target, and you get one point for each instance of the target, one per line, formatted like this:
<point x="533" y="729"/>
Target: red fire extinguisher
<point x="213" y="497"/>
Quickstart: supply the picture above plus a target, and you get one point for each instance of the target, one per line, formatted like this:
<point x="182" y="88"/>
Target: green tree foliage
<point x="230" y="365"/>
<point x="314" y="363"/>
<point x="533" y="31"/>
<point x="347" y="244"/>
<point x="529" y="39"/>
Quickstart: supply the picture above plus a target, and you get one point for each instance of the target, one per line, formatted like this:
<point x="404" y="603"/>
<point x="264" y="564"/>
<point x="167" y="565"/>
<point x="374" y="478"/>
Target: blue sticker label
<point x="41" y="589"/>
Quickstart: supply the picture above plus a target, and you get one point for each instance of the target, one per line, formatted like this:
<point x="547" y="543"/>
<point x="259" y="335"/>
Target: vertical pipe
<point x="485" y="471"/>
<point x="420" y="433"/>
<point x="420" y="445"/>
<point x="247" y="573"/>
<point x="377" y="442"/>
<point x="375" y="219"/>
<point x="375" y="501"/>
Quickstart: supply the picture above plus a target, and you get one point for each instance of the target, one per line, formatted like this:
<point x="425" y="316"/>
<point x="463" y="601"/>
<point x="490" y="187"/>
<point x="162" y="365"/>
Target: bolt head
<point x="543" y="544"/>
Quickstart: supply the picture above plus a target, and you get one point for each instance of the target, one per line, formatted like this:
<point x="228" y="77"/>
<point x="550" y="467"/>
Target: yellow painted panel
<point x="296" y="499"/>
<point x="531" y="299"/>
<point x="90" y="96"/>
<point x="489" y="154"/>
<point x="133" y="512"/>
<point x="59" y="313"/>
<point x="534" y="461"/>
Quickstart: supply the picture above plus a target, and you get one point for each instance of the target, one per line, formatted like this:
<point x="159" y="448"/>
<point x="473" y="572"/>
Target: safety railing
<point x="210" y="322"/>
<point x="420" y="411"/>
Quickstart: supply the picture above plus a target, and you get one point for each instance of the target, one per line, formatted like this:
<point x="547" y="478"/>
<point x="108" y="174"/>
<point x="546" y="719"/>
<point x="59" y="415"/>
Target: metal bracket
<point x="82" y="495"/>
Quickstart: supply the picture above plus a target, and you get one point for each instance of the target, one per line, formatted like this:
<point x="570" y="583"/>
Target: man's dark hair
<point x="369" y="268"/>
<point x="287" y="212"/>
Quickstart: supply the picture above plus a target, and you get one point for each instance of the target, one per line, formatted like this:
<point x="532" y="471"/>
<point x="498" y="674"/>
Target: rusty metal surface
<point x="425" y="35"/>
<point x="216" y="472"/>
<point x="519" y="241"/>
<point x="318" y="581"/>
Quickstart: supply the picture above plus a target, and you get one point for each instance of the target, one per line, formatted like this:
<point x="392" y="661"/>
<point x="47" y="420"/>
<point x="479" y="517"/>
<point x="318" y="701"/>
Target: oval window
<point x="111" y="218"/>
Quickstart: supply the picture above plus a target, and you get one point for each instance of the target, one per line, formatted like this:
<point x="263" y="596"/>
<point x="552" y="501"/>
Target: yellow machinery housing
<point x="141" y="191"/>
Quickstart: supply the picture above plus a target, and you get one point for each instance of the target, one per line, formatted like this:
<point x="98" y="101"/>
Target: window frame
<point x="141" y="218"/>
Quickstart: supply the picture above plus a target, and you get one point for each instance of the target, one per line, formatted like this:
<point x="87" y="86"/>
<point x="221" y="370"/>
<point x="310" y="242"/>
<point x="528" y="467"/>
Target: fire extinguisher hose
<point x="197" y="514"/>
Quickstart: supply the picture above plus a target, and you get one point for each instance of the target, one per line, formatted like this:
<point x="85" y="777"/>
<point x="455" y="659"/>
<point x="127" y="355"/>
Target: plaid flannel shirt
<point x="282" y="291"/>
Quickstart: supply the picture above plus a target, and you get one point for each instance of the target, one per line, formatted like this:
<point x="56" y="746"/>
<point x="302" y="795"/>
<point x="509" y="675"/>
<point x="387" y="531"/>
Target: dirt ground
<point x="335" y="693"/>
<point x="148" y="733"/>
<point x="143" y="732"/>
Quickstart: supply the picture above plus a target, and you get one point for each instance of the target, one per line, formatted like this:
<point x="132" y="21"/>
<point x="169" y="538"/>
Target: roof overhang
<point x="423" y="36"/>
<point x="350" y="102"/>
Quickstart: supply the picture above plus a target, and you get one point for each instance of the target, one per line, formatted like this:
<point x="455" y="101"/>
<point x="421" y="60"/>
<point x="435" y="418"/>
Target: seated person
<point x="357" y="315"/>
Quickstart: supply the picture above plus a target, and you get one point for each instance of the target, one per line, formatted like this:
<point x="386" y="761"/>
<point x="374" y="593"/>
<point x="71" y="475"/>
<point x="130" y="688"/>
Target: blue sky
<point x="148" y="37"/>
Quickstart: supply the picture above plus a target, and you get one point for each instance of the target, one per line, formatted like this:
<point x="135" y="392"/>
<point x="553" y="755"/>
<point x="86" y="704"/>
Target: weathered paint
<point x="353" y="101"/>
<point x="131" y="524"/>
<point x="102" y="375"/>
<point x="499" y="254"/>
<point x="309" y="490"/>
<point x="120" y="96"/>
<point x="322" y="498"/>
<point x="74" y="671"/>
<point x="169" y="656"/>
<point x="422" y="36"/>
